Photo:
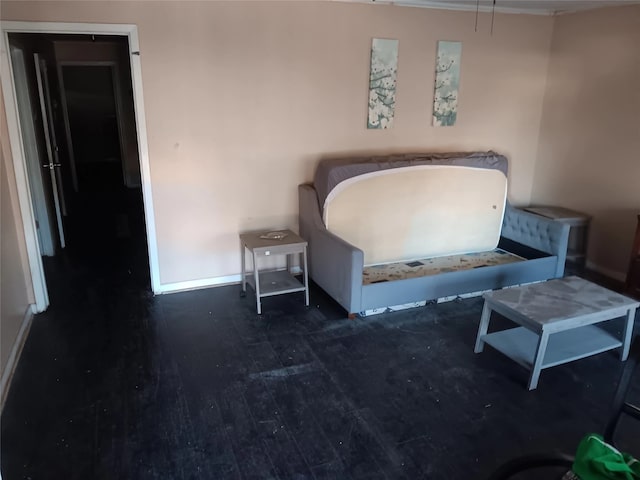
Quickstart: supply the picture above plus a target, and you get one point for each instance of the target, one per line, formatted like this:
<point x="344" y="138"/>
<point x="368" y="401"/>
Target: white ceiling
<point x="534" y="7"/>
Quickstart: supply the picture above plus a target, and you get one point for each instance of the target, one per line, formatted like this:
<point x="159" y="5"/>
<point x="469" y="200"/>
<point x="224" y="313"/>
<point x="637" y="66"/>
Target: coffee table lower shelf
<point x="520" y="344"/>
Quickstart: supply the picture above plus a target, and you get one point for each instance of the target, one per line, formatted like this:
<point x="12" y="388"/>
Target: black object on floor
<point x="621" y="407"/>
<point x="114" y="383"/>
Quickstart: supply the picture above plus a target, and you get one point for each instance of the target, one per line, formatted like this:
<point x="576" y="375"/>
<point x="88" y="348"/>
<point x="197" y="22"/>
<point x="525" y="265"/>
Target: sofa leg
<point x="352" y="316"/>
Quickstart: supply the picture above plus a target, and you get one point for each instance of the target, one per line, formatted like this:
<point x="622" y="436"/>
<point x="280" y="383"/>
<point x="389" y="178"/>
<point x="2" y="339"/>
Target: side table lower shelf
<point x="519" y="344"/>
<point x="276" y="283"/>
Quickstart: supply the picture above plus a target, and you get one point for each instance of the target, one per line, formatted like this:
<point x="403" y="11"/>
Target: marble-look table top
<point x="559" y="299"/>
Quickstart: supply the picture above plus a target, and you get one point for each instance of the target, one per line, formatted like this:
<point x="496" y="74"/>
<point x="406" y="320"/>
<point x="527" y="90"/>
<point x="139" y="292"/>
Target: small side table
<point x="269" y="283"/>
<point x="579" y="233"/>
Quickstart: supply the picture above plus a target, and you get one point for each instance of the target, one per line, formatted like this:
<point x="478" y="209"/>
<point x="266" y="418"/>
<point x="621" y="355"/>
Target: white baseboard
<point x="614" y="274"/>
<point x="197" y="284"/>
<point x="206" y="283"/>
<point x="14" y="355"/>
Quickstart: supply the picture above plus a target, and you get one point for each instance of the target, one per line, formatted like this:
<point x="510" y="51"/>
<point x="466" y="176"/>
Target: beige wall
<point x="590" y="137"/>
<point x="243" y="98"/>
<point x="15" y="291"/>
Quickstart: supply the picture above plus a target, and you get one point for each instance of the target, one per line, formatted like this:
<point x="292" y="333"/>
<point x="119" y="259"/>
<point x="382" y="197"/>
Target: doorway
<point x="104" y="183"/>
<point x="82" y="149"/>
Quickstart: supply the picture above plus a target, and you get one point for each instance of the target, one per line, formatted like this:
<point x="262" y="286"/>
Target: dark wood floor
<point x="114" y="383"/>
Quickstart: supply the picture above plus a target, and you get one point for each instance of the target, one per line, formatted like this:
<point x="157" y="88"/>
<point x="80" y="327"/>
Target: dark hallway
<point x="106" y="213"/>
<point x="77" y="90"/>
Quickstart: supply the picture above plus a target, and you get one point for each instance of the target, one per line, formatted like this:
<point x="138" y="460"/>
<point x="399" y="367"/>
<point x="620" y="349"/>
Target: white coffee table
<point x="557" y="323"/>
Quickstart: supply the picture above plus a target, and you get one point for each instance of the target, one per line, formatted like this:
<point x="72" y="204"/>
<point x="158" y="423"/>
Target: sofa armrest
<point x="537" y="232"/>
<point x="335" y="265"/>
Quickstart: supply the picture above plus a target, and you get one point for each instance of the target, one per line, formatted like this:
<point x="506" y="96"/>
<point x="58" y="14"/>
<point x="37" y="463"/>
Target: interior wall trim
<point x="487" y="6"/>
<point x="198" y="284"/>
<point x="14" y="355"/>
<point x="607" y="272"/>
<point x="177" y="287"/>
<point x="444" y="5"/>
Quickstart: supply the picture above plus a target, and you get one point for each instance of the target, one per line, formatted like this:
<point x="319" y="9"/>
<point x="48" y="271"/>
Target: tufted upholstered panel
<point x="536" y="232"/>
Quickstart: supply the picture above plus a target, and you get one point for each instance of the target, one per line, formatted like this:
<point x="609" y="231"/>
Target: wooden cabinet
<point x="632" y="286"/>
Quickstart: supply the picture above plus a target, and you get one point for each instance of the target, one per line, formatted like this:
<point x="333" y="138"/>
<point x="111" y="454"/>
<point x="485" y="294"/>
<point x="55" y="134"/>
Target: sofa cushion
<point x="390" y="272"/>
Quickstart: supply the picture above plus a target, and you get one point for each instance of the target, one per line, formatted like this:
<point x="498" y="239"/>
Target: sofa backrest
<point x="419" y="211"/>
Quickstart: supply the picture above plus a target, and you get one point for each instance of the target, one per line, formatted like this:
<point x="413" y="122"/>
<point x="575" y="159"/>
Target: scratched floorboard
<point x="114" y="383"/>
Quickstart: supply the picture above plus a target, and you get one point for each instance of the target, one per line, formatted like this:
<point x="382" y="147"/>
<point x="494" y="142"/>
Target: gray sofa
<point x="337" y="266"/>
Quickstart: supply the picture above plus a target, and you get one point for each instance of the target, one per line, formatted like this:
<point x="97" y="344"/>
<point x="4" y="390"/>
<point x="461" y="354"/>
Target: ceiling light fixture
<point x="493" y="15"/>
<point x="477" y="11"/>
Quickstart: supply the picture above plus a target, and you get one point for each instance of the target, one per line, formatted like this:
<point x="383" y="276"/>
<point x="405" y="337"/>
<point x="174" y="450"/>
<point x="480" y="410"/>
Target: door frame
<point x="19" y="161"/>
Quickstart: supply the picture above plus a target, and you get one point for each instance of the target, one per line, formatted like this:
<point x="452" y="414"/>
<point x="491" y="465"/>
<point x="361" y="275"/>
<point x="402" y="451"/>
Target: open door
<point x="53" y="164"/>
<point x="34" y="155"/>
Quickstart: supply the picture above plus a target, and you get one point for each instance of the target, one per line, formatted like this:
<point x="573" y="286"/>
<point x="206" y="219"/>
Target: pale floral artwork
<point x="382" y="83"/>
<point x="445" y="98"/>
